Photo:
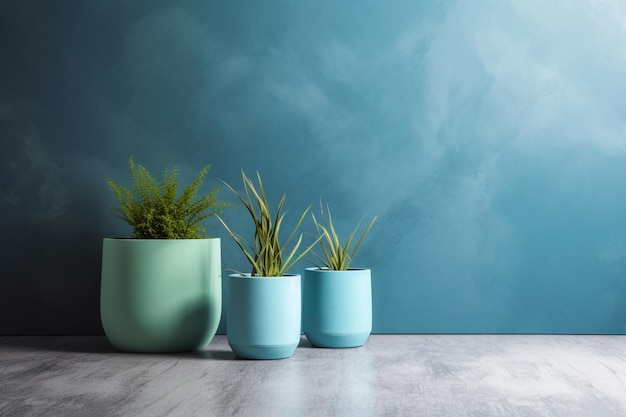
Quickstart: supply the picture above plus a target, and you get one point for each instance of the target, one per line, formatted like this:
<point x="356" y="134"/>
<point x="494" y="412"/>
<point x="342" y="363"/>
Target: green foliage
<point x="155" y="210"/>
<point x="267" y="256"/>
<point x="336" y="256"/>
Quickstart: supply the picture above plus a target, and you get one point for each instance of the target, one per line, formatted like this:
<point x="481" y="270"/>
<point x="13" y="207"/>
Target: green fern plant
<point x="335" y="255"/>
<point x="155" y="210"/>
<point x="266" y="254"/>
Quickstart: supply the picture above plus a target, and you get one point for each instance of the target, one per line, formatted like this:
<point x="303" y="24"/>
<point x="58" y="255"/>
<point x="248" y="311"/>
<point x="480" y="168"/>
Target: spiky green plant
<point x="155" y="210"/>
<point x="335" y="255"/>
<point x="266" y="254"/>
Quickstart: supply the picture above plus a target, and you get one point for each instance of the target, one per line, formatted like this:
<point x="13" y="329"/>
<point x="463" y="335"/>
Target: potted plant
<point x="336" y="299"/>
<point x="264" y="306"/>
<point x="161" y="288"/>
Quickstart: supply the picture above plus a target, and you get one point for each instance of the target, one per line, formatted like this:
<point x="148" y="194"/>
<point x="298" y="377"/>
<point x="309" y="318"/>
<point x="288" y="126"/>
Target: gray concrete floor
<point x="392" y="375"/>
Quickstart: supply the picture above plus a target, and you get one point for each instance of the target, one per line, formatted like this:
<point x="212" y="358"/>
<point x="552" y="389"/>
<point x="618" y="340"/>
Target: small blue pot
<point x="337" y="307"/>
<point x="264" y="316"/>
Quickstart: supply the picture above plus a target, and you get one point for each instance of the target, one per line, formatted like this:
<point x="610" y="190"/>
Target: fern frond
<point x="155" y="210"/>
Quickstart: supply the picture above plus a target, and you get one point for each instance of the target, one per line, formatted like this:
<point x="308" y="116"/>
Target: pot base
<point x="325" y="340"/>
<point x="263" y="352"/>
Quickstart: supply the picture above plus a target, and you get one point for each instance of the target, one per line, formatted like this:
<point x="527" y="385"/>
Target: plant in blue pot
<point x="161" y="288"/>
<point x="264" y="306"/>
<point x="337" y="298"/>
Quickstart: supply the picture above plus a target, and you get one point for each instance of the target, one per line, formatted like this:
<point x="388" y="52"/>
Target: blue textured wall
<point x="488" y="136"/>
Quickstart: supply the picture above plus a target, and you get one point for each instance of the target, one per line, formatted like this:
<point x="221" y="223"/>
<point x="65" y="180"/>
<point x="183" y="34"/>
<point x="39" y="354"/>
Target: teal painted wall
<point x="487" y="136"/>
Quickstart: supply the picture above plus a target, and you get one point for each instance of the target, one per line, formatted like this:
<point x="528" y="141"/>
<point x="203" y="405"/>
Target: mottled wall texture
<point x="488" y="136"/>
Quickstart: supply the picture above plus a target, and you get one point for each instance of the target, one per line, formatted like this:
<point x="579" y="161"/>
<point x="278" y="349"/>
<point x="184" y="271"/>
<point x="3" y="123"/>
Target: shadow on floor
<point x="101" y="345"/>
<point x="216" y="350"/>
<point x="208" y="353"/>
<point x="80" y="344"/>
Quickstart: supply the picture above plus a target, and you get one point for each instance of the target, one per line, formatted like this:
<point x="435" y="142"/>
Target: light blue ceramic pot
<point x="160" y="295"/>
<point x="264" y="316"/>
<point x="337" y="307"/>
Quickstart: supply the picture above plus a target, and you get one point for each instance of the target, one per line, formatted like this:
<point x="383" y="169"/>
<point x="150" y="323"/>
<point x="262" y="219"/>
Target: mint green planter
<point x="337" y="307"/>
<point x="160" y="295"/>
<point x="263" y="316"/>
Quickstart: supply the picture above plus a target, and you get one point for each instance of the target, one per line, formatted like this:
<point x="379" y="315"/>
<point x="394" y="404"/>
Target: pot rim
<point x="132" y="239"/>
<point x="248" y="276"/>
<point x="324" y="269"/>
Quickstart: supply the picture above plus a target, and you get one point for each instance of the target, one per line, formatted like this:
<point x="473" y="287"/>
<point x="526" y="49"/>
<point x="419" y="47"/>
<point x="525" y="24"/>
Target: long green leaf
<point x="335" y="255"/>
<point x="267" y="256"/>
